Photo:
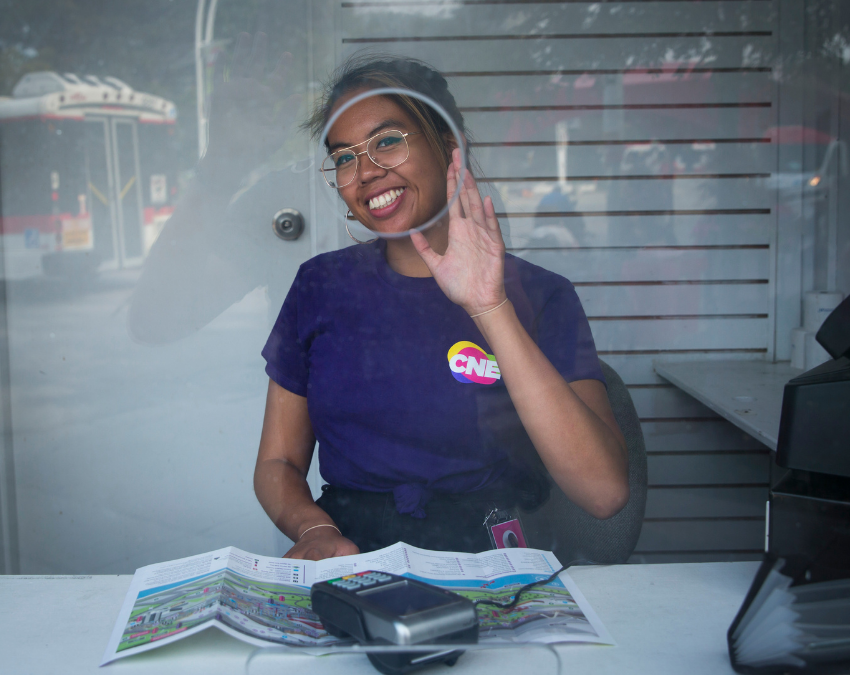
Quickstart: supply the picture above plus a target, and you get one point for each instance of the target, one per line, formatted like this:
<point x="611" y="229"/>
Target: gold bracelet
<point x="472" y="316"/>
<point x="321" y="525"/>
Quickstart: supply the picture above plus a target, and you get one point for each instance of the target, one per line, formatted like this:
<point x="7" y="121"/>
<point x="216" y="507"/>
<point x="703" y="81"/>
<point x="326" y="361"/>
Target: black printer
<point x="809" y="516"/>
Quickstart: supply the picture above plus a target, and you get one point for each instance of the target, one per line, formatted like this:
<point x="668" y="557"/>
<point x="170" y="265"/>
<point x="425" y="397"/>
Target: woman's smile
<point x="386" y="203"/>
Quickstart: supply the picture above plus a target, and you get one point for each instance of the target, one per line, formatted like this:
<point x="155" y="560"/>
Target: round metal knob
<point x="288" y="224"/>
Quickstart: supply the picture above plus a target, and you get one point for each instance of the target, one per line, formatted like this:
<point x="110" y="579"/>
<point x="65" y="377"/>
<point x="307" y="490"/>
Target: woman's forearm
<point x="284" y="494"/>
<point x="280" y="479"/>
<point x="584" y="455"/>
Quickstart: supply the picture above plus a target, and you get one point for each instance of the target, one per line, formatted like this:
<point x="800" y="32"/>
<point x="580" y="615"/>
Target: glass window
<point x="682" y="164"/>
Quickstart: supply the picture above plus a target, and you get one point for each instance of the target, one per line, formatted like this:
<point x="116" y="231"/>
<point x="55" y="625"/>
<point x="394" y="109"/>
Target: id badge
<point x="505" y="529"/>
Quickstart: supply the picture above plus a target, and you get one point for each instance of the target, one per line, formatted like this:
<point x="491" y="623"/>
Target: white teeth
<point x="385" y="199"/>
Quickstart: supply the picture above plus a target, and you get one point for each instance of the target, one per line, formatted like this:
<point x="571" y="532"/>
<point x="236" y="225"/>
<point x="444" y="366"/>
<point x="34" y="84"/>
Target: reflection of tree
<point x="651" y="50"/>
<point x="828" y="37"/>
<point x="821" y="64"/>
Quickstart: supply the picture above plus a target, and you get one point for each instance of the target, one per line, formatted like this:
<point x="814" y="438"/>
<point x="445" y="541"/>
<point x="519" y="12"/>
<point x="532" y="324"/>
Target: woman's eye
<point x="341" y="160"/>
<point x="388" y="141"/>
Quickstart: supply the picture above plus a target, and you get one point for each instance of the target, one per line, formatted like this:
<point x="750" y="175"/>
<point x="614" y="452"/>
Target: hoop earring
<point x="356" y="239"/>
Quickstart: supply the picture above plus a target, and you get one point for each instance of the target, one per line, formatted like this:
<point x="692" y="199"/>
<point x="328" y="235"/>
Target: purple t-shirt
<point x="403" y="392"/>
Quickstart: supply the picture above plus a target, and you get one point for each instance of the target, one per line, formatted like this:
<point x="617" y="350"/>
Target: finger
<point x="471" y="200"/>
<point x="476" y="206"/>
<point x="451" y="189"/>
<point x="423" y="248"/>
<point x="241" y="56"/>
<point x="490" y="215"/>
<point x="466" y="187"/>
<point x="492" y="223"/>
<point x="258" y="56"/>
<point x="460" y="167"/>
<point x="461" y="189"/>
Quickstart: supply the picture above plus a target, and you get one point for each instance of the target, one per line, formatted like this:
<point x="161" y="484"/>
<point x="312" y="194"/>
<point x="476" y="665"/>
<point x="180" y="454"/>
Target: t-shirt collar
<point x="393" y="278"/>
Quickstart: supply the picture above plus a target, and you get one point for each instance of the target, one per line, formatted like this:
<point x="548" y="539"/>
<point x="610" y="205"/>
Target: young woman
<point x="436" y="372"/>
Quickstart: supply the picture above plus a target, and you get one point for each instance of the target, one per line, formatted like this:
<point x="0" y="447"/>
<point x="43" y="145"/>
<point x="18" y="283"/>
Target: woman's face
<point x="420" y="180"/>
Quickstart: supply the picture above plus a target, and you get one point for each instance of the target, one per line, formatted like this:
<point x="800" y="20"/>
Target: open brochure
<point x="266" y="601"/>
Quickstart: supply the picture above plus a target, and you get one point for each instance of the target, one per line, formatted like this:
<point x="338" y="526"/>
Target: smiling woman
<point x="414" y="108"/>
<point x="439" y="375"/>
<point x="396" y="182"/>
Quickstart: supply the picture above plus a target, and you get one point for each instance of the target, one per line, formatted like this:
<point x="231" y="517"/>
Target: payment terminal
<point x="377" y="608"/>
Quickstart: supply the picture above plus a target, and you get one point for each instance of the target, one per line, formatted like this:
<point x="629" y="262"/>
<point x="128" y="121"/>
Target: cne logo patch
<point x="469" y="363"/>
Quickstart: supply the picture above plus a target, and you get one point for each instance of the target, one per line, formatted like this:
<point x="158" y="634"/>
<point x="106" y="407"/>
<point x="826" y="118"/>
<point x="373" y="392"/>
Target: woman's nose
<point x="368" y="170"/>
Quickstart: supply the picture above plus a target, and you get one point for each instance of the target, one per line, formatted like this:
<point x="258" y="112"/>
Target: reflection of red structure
<point x="144" y="632"/>
<point x="88" y="176"/>
<point x="797" y="135"/>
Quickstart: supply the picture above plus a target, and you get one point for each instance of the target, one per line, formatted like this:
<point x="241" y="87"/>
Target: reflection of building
<point x="88" y="179"/>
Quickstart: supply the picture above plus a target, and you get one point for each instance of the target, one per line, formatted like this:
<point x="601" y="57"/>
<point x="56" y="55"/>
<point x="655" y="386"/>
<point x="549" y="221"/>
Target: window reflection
<point x="683" y="164"/>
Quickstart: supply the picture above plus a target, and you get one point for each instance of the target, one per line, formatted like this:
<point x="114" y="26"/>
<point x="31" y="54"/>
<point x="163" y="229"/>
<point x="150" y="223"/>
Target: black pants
<point x="453" y="522"/>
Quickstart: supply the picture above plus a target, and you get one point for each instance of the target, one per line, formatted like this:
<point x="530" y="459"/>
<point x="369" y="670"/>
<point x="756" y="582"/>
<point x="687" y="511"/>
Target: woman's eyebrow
<point x="386" y="124"/>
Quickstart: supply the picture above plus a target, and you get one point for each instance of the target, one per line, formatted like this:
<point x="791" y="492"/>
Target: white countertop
<point x="747" y="393"/>
<point x="664" y="618"/>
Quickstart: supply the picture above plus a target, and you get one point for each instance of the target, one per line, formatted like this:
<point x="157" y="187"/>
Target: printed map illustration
<point x="271" y="611"/>
<point x="540" y="608"/>
<point x="265" y="600"/>
<point x="282" y="613"/>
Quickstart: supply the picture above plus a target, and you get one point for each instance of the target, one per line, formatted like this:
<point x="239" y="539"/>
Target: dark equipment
<point x="809" y="509"/>
<point x="377" y="608"/>
<point x="810" y="504"/>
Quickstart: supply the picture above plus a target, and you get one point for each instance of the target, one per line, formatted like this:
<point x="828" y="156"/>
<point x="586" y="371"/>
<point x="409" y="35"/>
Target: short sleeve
<point x="285" y="351"/>
<point x="563" y="335"/>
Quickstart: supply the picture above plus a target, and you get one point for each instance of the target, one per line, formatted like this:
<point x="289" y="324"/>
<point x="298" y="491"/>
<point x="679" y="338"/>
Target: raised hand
<point x="472" y="270"/>
<point x="250" y="116"/>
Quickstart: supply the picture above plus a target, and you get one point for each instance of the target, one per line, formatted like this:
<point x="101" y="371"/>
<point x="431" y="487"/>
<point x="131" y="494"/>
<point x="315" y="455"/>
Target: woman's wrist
<point x="500" y="328"/>
<point x="490" y="319"/>
<point x="487" y="311"/>
<point x="319" y="528"/>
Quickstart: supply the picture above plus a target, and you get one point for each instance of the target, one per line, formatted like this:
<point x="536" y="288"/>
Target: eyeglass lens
<point x="387" y="150"/>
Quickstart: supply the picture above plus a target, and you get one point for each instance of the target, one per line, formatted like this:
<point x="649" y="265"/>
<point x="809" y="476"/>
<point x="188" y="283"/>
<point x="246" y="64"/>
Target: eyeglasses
<point x="387" y="150"/>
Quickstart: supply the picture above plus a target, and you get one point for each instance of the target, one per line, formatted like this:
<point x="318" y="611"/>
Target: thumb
<point x="423" y="248"/>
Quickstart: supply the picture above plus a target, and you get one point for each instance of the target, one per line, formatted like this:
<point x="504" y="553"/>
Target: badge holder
<point x="505" y="528"/>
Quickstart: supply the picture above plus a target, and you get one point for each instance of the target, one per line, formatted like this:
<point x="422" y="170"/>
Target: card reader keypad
<point x="354" y="582"/>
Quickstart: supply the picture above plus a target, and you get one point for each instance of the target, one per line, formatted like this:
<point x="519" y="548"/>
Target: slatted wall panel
<point x="627" y="143"/>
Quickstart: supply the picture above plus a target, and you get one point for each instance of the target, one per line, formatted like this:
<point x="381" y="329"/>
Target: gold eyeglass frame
<point x="366" y="152"/>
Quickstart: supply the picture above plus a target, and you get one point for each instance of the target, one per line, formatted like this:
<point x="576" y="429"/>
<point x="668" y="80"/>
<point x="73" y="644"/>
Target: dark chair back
<point x="572" y="533"/>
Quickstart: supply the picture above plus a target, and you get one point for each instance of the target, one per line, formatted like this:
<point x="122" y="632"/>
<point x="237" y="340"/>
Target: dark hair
<point x="375" y="71"/>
